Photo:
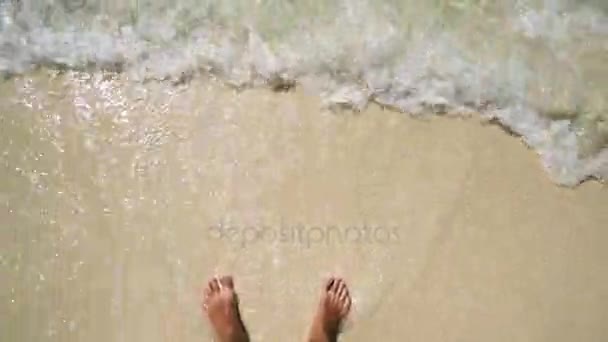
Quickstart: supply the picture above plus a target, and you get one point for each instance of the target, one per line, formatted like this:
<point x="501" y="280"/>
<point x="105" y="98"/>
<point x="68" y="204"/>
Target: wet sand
<point x="447" y="229"/>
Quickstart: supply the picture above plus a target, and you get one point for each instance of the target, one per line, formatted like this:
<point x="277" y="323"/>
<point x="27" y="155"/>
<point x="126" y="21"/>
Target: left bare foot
<point x="221" y="304"/>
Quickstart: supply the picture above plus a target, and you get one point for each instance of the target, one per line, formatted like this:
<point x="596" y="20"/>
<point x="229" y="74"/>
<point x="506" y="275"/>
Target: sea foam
<point x="535" y="67"/>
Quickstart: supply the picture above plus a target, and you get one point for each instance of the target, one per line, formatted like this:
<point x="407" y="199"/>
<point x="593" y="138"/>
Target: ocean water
<point x="125" y="135"/>
<point x="537" y="67"/>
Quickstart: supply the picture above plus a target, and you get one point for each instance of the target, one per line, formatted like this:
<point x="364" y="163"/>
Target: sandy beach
<point x="446" y="229"/>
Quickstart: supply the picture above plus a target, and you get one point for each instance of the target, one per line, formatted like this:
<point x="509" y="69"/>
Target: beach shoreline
<point x="487" y="247"/>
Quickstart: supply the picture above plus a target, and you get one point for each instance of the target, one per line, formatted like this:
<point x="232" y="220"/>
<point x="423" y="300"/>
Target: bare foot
<point x="333" y="308"/>
<point x="221" y="304"/>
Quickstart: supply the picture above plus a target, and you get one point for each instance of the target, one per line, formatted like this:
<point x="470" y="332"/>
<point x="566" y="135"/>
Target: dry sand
<point x="470" y="239"/>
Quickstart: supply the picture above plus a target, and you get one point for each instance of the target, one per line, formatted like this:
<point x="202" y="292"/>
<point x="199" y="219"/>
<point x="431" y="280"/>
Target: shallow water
<point x="119" y="199"/>
<point x="113" y="217"/>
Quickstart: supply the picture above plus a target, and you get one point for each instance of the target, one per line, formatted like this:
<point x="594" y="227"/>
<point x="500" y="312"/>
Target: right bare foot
<point x="333" y="308"/>
<point x="220" y="302"/>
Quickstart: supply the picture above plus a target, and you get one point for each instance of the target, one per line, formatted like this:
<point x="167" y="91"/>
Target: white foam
<point x="416" y="57"/>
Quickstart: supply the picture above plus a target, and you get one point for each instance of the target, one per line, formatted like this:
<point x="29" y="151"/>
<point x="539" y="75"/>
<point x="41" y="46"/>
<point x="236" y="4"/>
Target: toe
<point x="329" y="283"/>
<point x="206" y="292"/>
<point x="341" y="289"/>
<point x="335" y="288"/>
<point x="346" y="307"/>
<point x="344" y="299"/>
<point x="214" y="285"/>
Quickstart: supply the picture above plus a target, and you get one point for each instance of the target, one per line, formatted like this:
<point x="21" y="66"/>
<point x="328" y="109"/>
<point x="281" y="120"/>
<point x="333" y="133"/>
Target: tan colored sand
<point x="486" y="249"/>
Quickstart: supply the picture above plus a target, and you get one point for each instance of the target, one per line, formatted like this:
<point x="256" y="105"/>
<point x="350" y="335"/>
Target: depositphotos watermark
<point x="305" y="235"/>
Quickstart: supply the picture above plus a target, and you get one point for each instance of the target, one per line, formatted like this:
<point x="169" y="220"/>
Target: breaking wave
<point x="536" y="67"/>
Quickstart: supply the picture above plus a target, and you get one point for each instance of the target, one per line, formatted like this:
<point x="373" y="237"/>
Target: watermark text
<point x="305" y="235"/>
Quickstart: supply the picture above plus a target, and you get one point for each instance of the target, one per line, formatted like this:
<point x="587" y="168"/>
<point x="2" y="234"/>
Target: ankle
<point x="234" y="334"/>
<point x="321" y="332"/>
